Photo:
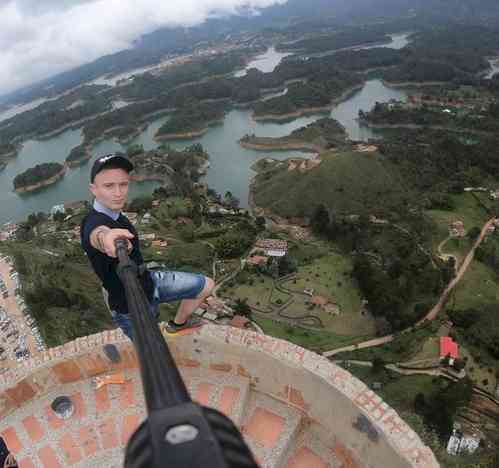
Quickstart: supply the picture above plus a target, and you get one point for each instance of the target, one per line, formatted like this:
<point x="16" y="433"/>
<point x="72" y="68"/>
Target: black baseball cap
<point x="114" y="160"/>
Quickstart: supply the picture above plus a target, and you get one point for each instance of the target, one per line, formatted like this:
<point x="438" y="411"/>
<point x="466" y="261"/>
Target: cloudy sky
<point x="39" y="38"/>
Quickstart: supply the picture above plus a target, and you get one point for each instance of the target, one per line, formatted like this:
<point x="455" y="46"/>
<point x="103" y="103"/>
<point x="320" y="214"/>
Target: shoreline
<point x="413" y="84"/>
<point x="295" y="145"/>
<point x="311" y="110"/>
<point x="181" y="136"/>
<point x="43" y="183"/>
<point x="293" y="115"/>
<point x="70" y="126"/>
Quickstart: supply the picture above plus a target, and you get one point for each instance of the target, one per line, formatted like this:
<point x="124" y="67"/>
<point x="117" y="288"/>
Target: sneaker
<point x="191" y="322"/>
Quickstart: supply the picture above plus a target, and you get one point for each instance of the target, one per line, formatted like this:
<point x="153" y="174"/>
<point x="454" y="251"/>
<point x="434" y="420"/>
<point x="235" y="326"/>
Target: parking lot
<point x="19" y="334"/>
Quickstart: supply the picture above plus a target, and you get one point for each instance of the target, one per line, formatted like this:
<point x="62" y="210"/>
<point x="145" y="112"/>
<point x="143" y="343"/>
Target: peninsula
<point x="309" y="98"/>
<point x="316" y="137"/>
<point x="79" y="155"/>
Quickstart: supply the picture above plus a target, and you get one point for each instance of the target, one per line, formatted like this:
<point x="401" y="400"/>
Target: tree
<point x="473" y="233"/>
<point x="187" y="232"/>
<point x="287" y="265"/>
<point x="320" y="219"/>
<point x="420" y="403"/>
<point x="241" y="307"/>
<point x="231" y="201"/>
<point x="378" y="365"/>
<point x="260" y="223"/>
<point x="464" y="318"/>
<point x="232" y="244"/>
<point x="59" y="217"/>
<point x="20" y="263"/>
<point x="141" y="203"/>
<point x="459" y="365"/>
<point x="32" y="220"/>
<point x="196" y="215"/>
<point x="495" y="460"/>
<point x="134" y="150"/>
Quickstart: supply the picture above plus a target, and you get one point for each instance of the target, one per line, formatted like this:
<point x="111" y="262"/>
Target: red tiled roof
<point x="319" y="300"/>
<point x="448" y="347"/>
<point x="257" y="260"/>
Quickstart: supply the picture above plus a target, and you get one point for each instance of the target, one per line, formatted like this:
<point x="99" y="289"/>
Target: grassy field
<point x="479" y="286"/>
<point x="469" y="211"/>
<point x="403" y="348"/>
<point x="317" y="341"/>
<point x="257" y="290"/>
<point x="430" y="351"/>
<point x="306" y="252"/>
<point x="330" y="277"/>
<point x="345" y="182"/>
<point x="480" y="372"/>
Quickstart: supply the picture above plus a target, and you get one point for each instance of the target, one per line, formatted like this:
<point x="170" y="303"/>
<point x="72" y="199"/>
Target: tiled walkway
<point x="104" y="419"/>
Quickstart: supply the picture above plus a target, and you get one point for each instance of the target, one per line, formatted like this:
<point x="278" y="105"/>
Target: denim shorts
<point x="169" y="286"/>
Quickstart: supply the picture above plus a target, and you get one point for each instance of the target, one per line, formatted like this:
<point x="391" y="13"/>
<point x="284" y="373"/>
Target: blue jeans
<point x="169" y="286"/>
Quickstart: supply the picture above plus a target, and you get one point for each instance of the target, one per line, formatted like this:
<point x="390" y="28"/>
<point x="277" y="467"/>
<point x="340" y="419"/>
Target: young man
<point x="109" y="183"/>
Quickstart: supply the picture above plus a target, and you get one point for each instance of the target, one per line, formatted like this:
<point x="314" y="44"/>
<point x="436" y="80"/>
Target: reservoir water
<point x="230" y="163"/>
<point x="265" y="62"/>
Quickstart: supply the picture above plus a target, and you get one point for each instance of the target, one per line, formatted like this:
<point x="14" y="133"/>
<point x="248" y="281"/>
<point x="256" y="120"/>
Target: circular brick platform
<point x="295" y="408"/>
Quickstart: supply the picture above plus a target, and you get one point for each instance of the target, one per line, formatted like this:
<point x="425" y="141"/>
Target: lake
<point x="230" y="163"/>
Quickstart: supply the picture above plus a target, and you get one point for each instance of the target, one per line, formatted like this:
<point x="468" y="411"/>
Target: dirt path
<point x="399" y="370"/>
<point x="433" y="313"/>
<point x="365" y="344"/>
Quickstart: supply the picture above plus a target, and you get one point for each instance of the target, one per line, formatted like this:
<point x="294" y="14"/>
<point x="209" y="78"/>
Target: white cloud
<point x="36" y="43"/>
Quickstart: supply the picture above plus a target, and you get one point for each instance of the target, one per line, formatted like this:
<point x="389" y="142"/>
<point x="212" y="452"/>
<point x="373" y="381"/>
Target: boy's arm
<point x="102" y="238"/>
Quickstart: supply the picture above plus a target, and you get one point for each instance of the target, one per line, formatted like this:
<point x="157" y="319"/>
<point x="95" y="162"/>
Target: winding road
<point x="435" y="310"/>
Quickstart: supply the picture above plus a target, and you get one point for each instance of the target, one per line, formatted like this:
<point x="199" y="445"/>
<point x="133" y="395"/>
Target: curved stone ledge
<point x="365" y="431"/>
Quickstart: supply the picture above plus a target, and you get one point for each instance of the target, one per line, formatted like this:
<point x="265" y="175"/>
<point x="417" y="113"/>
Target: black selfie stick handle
<point x="178" y="433"/>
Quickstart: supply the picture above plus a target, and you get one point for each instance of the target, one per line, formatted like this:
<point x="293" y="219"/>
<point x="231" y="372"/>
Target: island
<point x="79" y="155"/>
<point x="167" y="165"/>
<point x="39" y="176"/>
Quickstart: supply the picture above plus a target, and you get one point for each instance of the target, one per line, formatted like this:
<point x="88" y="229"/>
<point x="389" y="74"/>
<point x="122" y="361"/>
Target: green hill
<point x="348" y="183"/>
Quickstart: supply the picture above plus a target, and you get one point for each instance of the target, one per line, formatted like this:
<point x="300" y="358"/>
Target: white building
<point x="57" y="209"/>
<point x="459" y="442"/>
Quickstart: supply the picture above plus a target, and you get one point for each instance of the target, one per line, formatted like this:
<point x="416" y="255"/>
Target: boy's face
<point x="110" y="188"/>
